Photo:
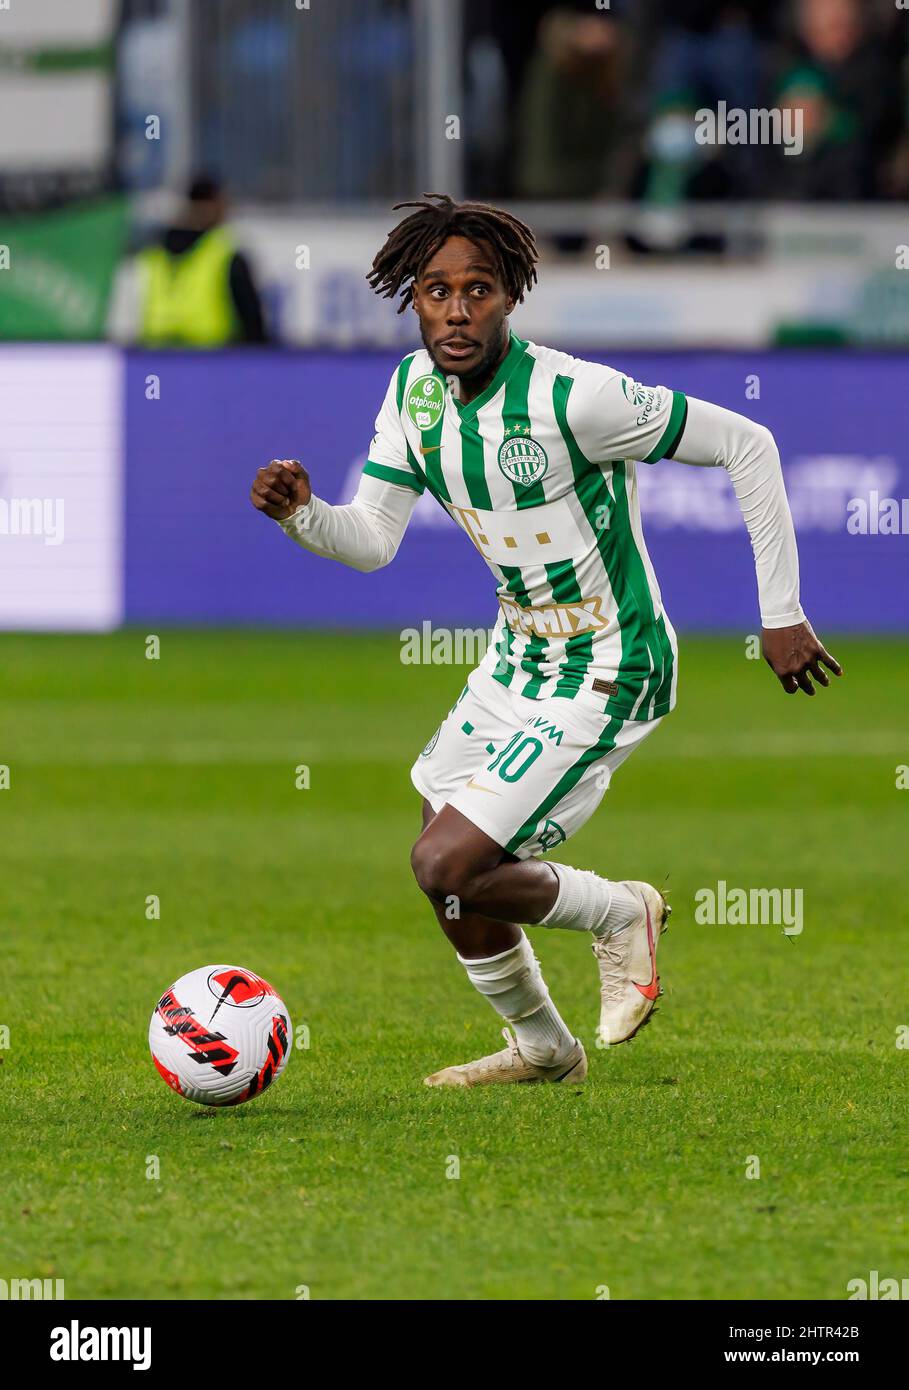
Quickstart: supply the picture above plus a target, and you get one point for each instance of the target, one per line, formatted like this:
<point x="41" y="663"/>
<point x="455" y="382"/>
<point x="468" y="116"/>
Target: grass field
<point x="175" y="777"/>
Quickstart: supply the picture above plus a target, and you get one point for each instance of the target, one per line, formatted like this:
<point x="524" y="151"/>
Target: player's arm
<point x="614" y="417"/>
<point x="713" y="437"/>
<point x="364" y="533"/>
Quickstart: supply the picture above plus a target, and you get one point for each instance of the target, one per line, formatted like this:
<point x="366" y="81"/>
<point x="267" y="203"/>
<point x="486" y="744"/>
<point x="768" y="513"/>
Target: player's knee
<point x="438" y="869"/>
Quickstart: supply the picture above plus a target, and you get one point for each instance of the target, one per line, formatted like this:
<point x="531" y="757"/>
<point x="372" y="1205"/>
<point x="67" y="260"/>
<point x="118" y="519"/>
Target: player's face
<point x="463" y="306"/>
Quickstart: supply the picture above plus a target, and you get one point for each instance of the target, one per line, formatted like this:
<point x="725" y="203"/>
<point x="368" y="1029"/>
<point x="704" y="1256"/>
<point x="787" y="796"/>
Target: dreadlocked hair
<point x="417" y="238"/>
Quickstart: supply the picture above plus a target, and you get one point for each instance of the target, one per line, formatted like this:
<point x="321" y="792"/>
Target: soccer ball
<point x="220" y="1035"/>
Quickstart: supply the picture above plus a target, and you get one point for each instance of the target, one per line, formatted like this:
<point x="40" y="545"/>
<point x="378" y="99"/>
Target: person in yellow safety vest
<point x="196" y="287"/>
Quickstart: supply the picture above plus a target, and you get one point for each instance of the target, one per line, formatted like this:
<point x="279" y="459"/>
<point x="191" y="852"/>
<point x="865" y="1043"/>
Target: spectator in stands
<point x="195" y="286"/>
<point x="707" y="51"/>
<point x="571" y="111"/>
<point x="840" y="77"/>
<point x="712" y="48"/>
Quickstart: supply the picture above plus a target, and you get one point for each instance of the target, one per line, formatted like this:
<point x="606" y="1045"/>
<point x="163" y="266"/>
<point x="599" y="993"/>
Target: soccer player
<point x="532" y="452"/>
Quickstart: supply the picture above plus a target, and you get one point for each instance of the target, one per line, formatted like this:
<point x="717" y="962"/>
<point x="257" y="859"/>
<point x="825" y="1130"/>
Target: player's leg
<point x="501" y="965"/>
<point x="473" y="936"/>
<point x="460" y="866"/>
<point x="495" y="953"/>
<point x="562" y="775"/>
<point x="535" y="790"/>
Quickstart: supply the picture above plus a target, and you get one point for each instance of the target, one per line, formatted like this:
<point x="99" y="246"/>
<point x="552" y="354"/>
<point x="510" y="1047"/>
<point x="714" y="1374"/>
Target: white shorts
<point x="528" y="773"/>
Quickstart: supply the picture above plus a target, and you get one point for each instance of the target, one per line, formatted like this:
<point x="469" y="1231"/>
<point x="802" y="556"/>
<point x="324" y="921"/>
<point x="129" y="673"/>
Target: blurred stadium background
<point x="773" y="284"/>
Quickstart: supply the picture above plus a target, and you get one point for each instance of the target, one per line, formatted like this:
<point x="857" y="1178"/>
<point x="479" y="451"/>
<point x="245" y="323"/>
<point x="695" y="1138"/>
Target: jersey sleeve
<point x="614" y="417"/>
<point x="364" y="534"/>
<point x="390" y="456"/>
<point x="718" y="438"/>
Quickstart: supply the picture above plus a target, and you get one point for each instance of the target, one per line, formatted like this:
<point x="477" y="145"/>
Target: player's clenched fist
<point x="280" y="488"/>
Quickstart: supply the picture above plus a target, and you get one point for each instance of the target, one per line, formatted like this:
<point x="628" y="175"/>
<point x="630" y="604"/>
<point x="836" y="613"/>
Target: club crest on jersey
<point x="432" y="743"/>
<point x="551" y="835"/>
<point x="522" y="459"/>
<point x="425" y="402"/>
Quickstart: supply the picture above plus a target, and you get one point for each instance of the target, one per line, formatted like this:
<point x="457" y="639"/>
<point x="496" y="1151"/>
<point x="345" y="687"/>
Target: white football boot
<point x="629" y="983"/>
<point x="508" y="1065"/>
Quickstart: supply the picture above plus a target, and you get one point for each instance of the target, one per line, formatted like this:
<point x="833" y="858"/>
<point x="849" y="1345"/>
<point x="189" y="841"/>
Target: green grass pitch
<point x="176" y="777"/>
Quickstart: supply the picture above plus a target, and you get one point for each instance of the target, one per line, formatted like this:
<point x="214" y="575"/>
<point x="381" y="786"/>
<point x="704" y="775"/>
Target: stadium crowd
<point x="577" y="101"/>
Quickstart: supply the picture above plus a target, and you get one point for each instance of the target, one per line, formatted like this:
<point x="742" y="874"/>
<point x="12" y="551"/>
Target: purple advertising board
<point x="197" y="553"/>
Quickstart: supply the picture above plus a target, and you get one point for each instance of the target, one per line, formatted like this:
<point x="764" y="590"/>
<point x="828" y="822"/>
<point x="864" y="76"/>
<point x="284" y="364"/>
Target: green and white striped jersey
<point x="539" y="471"/>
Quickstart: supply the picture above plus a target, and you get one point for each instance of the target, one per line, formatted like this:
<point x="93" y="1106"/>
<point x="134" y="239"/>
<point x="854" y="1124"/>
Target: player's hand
<point x="280" y="488"/>
<point x="794" y="655"/>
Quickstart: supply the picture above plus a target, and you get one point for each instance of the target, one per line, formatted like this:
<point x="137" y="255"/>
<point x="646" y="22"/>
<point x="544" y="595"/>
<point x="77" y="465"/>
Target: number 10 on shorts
<point x="521" y="749"/>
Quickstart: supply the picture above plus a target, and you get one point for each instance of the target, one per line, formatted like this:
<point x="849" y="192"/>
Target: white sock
<point x="587" y="902"/>
<point x="515" y="988"/>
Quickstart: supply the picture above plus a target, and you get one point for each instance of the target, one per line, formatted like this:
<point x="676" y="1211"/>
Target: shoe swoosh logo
<point x="652" y="990"/>
<point x="431" y="450"/>
<point x="476" y="786"/>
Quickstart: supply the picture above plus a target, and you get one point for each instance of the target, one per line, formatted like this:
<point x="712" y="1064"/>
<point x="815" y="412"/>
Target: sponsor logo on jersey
<point x="522" y="459"/>
<point x="638" y="396"/>
<point x="555" y="619"/>
<point x="547" y="727"/>
<point x="634" y="391"/>
<point x="425" y="402"/>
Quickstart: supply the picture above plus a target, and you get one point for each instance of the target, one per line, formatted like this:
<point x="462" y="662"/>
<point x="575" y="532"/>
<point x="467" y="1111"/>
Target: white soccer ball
<point x="220" y="1035"/>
